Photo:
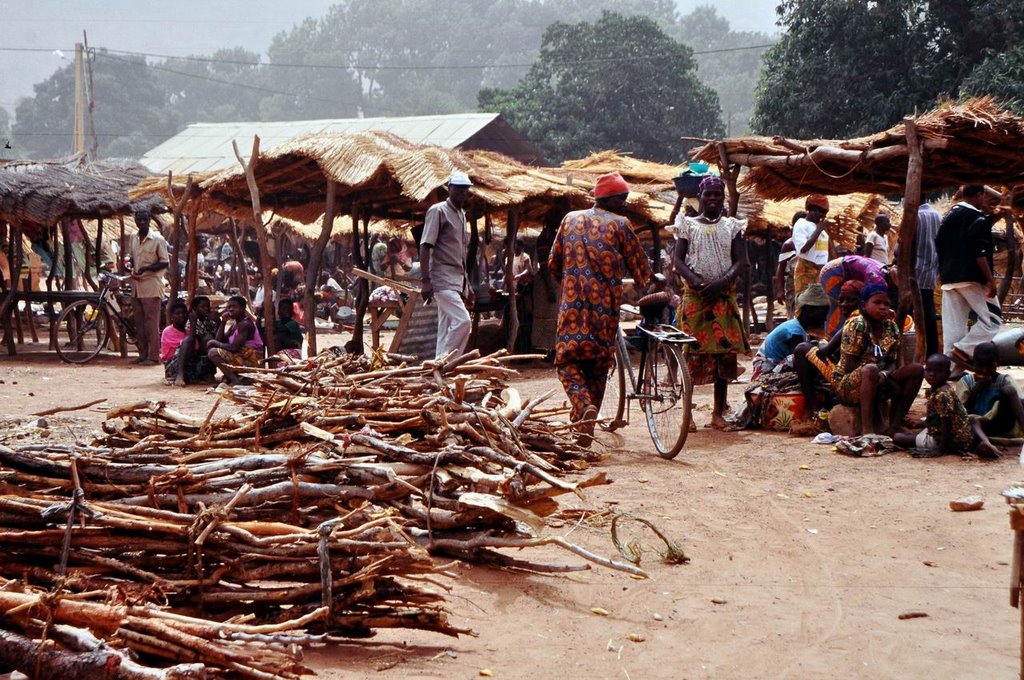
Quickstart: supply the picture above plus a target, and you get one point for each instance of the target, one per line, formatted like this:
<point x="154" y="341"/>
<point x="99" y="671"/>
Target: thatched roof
<point x="39" y="194"/>
<point x="392" y="179"/>
<point x="976" y="142"/>
<point x="849" y="216"/>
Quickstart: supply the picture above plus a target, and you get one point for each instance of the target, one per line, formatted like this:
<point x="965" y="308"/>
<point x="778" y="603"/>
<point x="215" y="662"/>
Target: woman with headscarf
<point x="868" y="371"/>
<point x="840" y="270"/>
<point x="709" y="254"/>
<point x="811" y="242"/>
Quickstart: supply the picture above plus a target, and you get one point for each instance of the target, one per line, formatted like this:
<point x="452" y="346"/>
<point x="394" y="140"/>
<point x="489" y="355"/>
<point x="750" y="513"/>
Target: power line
<point x="244" y="86"/>
<point x="379" y="67"/>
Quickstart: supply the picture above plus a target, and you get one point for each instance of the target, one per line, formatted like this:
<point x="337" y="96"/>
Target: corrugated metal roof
<point x="203" y="147"/>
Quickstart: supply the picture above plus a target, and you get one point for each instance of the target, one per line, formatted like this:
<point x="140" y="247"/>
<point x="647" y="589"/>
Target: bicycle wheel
<point x="667" y="398"/>
<point x="613" y="406"/>
<point x="82" y="331"/>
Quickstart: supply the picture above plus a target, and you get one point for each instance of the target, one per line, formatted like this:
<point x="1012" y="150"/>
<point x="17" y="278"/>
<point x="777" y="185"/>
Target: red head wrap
<point x="816" y="201"/>
<point x="611" y="184"/>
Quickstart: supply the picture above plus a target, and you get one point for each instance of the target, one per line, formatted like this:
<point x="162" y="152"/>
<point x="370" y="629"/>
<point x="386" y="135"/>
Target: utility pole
<point x="79" y="98"/>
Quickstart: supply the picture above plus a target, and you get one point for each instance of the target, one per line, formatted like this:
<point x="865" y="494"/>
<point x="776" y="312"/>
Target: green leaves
<point x="851" y="67"/>
<point x="619" y="83"/>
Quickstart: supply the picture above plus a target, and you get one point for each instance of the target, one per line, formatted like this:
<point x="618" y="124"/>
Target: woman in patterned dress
<point x="867" y="371"/>
<point x="710" y="253"/>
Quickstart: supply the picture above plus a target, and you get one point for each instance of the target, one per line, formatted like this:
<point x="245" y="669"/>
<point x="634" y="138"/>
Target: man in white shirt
<point x="148" y="250"/>
<point x="876" y="244"/>
<point x="811" y="242"/>
<point x="443" y="265"/>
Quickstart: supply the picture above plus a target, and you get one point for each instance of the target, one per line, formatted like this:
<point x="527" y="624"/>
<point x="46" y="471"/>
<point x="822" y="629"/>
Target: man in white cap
<point x="443" y="266"/>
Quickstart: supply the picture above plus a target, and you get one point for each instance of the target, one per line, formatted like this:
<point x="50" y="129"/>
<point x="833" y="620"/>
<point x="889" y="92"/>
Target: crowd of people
<point x="842" y="345"/>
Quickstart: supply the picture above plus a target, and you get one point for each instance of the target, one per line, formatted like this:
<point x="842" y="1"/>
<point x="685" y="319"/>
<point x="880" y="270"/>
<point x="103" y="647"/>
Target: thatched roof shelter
<point x="975" y="142"/>
<point x="36" y="195"/>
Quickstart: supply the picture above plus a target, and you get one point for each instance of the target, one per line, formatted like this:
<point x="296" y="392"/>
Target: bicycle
<point x="83" y="327"/>
<point x="660" y="380"/>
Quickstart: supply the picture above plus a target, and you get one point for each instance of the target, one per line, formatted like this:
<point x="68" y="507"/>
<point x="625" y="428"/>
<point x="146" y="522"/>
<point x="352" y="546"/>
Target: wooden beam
<point x="192" y="270"/>
<point x="316" y="257"/>
<point x="261" y="237"/>
<point x="512" y="314"/>
<point x="69" y="263"/>
<point x="362" y="285"/>
<point x="910" y="297"/>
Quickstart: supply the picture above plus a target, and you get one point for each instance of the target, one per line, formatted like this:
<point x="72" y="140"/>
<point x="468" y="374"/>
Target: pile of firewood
<point x="312" y="498"/>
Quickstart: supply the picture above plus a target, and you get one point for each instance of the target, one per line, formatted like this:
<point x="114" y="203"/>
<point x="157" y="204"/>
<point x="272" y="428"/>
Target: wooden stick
<point x="64" y="409"/>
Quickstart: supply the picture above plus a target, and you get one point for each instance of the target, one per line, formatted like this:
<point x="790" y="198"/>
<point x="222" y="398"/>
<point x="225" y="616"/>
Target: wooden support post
<point x="261" y="236"/>
<point x="53" y="261"/>
<point x="192" y="271"/>
<point x="730" y="174"/>
<point x="316" y="256"/>
<point x="69" y="262"/>
<point x="86" y="275"/>
<point x="769" y="320"/>
<point x="910" y="297"/>
<point x="9" y="306"/>
<point x="177" y="208"/>
<point x="1011" y="258"/>
<point x="120" y="246"/>
<point x="99" y="245"/>
<point x="512" y="313"/>
<point x="362" y="285"/>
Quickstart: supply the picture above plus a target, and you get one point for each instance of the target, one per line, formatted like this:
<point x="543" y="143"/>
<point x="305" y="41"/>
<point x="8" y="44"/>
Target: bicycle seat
<point x="652" y="306"/>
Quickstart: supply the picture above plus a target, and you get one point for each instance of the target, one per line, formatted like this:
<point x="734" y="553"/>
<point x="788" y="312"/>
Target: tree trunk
<point x="261" y="236"/>
<point x="316" y="257"/>
<point x="7" y="307"/>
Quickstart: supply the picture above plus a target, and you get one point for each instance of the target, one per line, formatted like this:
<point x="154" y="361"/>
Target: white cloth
<point x="957" y="303"/>
<point x="802" y="230"/>
<point x="879" y="247"/>
<point x="925" y="440"/>
<point x="709" y="253"/>
<point x="453" y="322"/>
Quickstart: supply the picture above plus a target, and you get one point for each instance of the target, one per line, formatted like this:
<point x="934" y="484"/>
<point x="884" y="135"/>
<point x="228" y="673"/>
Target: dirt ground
<point x="802" y="560"/>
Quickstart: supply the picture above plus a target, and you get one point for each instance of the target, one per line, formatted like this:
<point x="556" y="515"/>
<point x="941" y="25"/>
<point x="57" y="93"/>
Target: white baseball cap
<point x="459" y="179"/>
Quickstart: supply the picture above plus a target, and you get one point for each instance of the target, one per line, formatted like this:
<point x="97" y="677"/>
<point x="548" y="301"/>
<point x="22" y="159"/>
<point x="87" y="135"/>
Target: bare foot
<point x="987" y="451"/>
<point x="718" y="423"/>
<point x="180" y="382"/>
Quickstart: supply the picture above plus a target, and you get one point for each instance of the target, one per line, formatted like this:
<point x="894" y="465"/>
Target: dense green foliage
<point x="619" y="82"/>
<point x="849" y="67"/>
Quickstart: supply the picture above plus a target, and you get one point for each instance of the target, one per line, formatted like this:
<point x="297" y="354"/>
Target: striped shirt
<point x="927" y="263"/>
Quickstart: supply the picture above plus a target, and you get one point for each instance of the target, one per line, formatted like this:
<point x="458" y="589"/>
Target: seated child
<point x="287" y="332"/>
<point x="191" y="364"/>
<point x="947" y="428"/>
<point x="171" y="337"/>
<point x="992" y="399"/>
<point x="812" y="306"/>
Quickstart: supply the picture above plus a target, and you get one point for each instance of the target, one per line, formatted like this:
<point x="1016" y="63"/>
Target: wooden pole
<point x="910" y="297"/>
<point x="656" y="239"/>
<point x="9" y="305"/>
<point x="86" y="275"/>
<point x="120" y="249"/>
<point x="1011" y="258"/>
<point x="99" y="245"/>
<point x="362" y="285"/>
<point x="177" y="208"/>
<point x="79" y="130"/>
<point x="261" y="236"/>
<point x="192" y="271"/>
<point x="69" y="262"/>
<point x="769" y="320"/>
<point x="512" y="313"/>
<point x="316" y="257"/>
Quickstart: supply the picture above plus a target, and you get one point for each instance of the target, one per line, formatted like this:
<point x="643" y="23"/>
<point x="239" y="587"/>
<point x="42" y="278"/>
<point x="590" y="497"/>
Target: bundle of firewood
<point x="311" y="498"/>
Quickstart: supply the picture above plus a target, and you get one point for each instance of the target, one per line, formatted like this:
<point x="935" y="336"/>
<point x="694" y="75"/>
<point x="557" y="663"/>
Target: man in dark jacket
<point x="964" y="247"/>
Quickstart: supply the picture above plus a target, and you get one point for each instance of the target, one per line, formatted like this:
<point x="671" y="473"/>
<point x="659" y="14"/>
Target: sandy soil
<point x="813" y="564"/>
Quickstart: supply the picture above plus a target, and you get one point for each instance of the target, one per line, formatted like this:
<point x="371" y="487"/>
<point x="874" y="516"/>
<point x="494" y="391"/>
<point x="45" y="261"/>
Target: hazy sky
<point x="196" y="27"/>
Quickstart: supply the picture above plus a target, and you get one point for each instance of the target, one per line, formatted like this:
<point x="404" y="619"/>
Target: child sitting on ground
<point x="992" y="399"/>
<point x="171" y="337"/>
<point x="287" y="331"/>
<point x="947" y="427"/>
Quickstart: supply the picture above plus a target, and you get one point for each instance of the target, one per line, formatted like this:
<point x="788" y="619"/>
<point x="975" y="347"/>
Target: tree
<point x="130" y="112"/>
<point x="722" y="62"/>
<point x="1002" y="76"/>
<point x="850" y="67"/>
<point x="619" y="82"/>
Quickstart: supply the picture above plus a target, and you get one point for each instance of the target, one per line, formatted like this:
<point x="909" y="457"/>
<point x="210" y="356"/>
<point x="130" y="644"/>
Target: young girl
<point x="710" y="253"/>
<point x="867" y="372"/>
